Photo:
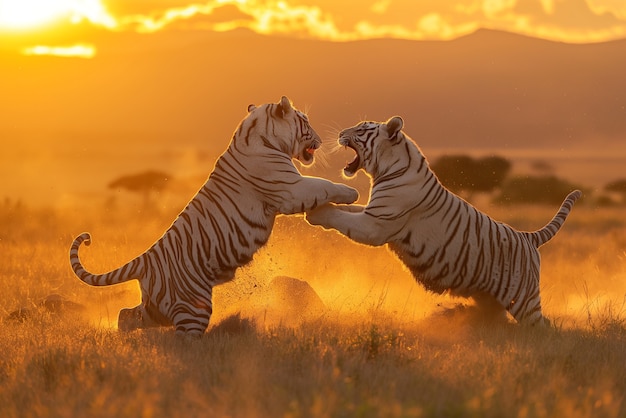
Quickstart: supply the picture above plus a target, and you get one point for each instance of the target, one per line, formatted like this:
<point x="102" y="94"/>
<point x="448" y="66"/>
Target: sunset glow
<point x="595" y="21"/>
<point x="25" y="14"/>
<point x="127" y="119"/>
<point x="576" y="21"/>
<point x="569" y="21"/>
<point x="28" y="13"/>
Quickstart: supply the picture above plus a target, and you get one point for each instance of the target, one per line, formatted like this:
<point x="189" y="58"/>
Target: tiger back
<point x="227" y="221"/>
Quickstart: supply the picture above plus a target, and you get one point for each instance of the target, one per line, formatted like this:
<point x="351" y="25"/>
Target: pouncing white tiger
<point x="225" y="223"/>
<point x="446" y="243"/>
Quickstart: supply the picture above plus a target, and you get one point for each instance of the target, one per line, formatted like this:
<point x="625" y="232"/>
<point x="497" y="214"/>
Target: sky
<point x="75" y="27"/>
<point x="164" y="83"/>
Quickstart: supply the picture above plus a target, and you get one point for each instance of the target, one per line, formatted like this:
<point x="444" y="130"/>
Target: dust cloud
<point x="582" y="281"/>
<point x="306" y="274"/>
<point x="309" y="275"/>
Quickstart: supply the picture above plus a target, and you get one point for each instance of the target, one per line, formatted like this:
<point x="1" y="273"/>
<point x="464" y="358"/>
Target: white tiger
<point x="446" y="243"/>
<point x="225" y="223"/>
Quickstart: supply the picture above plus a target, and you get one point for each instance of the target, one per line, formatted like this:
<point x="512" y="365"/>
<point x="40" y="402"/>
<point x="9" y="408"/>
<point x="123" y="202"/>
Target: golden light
<point x="291" y="17"/>
<point x="151" y="24"/>
<point x="21" y="14"/>
<point x="27" y="14"/>
<point x="79" y="50"/>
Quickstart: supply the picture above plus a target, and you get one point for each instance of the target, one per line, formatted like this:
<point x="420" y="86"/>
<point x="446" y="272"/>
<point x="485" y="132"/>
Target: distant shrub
<point x="617" y="187"/>
<point x="605" y="201"/>
<point x="462" y="173"/>
<point x="549" y="190"/>
<point x="145" y="184"/>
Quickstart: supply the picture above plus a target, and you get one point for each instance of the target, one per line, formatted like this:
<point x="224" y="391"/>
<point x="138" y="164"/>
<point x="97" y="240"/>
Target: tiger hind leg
<point x="139" y="317"/>
<point x="184" y="331"/>
<point x="528" y="312"/>
<point x="488" y="308"/>
<point x="193" y="321"/>
<point x="130" y="319"/>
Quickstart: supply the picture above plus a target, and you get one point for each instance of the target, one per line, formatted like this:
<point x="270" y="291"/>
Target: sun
<point x="27" y="14"/>
<point x="24" y="14"/>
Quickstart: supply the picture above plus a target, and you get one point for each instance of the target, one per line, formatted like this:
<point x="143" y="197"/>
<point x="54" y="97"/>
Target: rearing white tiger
<point x="225" y="223"/>
<point x="447" y="244"/>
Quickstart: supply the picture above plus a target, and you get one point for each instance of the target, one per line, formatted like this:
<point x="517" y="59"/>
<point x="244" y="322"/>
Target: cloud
<point x="266" y="17"/>
<point x="570" y="14"/>
<point x="327" y="20"/>
<point x="494" y="8"/>
<point x="144" y="7"/>
<point x="564" y="20"/>
<point x="561" y="20"/>
<point x="616" y="7"/>
<point x="220" y="18"/>
<point x="380" y="7"/>
<point x="571" y="20"/>
<point x="78" y="50"/>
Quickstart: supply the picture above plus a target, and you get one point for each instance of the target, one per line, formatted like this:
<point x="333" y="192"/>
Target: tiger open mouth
<point x="306" y="155"/>
<point x="351" y="166"/>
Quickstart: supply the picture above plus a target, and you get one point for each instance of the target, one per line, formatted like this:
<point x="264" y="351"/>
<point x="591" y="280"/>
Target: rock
<point x="53" y="303"/>
<point x="286" y="300"/>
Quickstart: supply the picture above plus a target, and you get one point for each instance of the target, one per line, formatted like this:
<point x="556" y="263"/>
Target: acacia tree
<point x="535" y="189"/>
<point x="462" y="173"/>
<point x="619" y="187"/>
<point x="145" y="184"/>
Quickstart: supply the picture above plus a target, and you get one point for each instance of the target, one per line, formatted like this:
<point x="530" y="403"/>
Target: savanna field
<point x="361" y="339"/>
<point x="113" y="112"/>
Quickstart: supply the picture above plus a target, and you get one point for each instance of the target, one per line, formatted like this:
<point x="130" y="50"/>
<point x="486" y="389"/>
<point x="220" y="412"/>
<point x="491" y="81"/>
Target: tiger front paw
<point x="320" y="215"/>
<point x="346" y="194"/>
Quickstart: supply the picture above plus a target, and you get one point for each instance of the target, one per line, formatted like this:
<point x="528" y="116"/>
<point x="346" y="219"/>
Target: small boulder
<point x="54" y="303"/>
<point x="288" y="301"/>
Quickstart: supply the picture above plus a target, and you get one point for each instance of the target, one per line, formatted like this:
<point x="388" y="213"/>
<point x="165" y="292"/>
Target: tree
<point x="542" y="167"/>
<point x="454" y="171"/>
<point x="491" y="172"/>
<point x="618" y="187"/>
<point x="535" y="189"/>
<point x="144" y="183"/>
<point x="462" y="173"/>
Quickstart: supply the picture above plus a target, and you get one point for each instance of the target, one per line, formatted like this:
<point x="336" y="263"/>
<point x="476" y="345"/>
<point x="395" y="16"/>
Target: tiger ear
<point x="251" y="107"/>
<point x="394" y="126"/>
<point x="285" y="105"/>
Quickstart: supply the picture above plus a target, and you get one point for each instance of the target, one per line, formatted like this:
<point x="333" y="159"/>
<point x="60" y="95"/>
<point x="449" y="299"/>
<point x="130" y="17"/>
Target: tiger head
<point x="288" y="130"/>
<point x="373" y="143"/>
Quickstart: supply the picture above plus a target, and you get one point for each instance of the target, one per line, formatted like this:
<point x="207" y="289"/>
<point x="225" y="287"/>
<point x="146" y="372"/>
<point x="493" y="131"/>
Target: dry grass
<point x="383" y="347"/>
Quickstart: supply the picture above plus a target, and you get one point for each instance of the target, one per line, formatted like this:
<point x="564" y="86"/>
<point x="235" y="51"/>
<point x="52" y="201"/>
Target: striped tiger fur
<point x="225" y="223"/>
<point x="446" y="243"/>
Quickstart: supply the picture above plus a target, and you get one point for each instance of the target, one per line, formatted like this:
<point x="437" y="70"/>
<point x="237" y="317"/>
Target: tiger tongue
<point x="310" y="150"/>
